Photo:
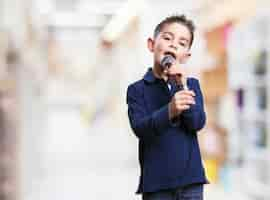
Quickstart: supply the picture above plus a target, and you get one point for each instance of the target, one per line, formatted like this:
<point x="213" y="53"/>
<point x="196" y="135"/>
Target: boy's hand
<point x="176" y="73"/>
<point x="181" y="101"/>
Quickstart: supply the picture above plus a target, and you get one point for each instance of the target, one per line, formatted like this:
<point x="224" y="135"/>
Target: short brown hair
<point x="181" y="19"/>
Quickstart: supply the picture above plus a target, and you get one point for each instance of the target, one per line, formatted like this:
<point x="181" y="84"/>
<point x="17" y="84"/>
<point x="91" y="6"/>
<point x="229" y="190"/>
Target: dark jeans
<point x="191" y="192"/>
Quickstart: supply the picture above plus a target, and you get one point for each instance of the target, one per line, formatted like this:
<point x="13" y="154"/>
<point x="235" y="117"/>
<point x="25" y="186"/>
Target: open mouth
<point x="170" y="53"/>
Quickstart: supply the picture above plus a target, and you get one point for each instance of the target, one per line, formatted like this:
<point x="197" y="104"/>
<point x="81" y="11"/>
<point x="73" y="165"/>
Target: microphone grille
<point x="167" y="61"/>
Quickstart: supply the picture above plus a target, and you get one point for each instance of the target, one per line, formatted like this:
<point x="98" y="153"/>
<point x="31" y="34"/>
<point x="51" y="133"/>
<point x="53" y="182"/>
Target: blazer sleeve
<point x="145" y="125"/>
<point x="194" y="118"/>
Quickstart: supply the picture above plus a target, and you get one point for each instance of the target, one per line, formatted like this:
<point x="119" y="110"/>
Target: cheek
<point x="159" y="49"/>
<point x="161" y="46"/>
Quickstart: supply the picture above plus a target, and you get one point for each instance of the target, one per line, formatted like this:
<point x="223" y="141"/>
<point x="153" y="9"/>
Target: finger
<point x="185" y="99"/>
<point x="192" y="93"/>
<point x="165" y="71"/>
<point x="183" y="96"/>
<point x="183" y="107"/>
<point x="185" y="102"/>
<point x="187" y="92"/>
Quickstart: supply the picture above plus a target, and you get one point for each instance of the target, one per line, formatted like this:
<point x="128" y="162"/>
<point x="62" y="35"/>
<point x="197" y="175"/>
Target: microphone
<point x="166" y="62"/>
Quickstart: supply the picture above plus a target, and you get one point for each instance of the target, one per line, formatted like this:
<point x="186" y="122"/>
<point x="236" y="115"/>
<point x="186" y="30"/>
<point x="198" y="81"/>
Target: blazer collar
<point x="149" y="77"/>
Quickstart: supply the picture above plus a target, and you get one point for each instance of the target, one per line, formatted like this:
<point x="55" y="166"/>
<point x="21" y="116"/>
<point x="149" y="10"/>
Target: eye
<point x="165" y="37"/>
<point x="183" y="44"/>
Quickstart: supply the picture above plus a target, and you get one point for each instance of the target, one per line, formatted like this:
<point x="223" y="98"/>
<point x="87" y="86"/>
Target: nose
<point x="173" y="45"/>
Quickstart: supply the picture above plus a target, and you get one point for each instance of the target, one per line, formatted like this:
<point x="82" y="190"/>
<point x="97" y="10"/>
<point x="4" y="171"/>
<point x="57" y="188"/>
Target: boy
<point x="166" y="119"/>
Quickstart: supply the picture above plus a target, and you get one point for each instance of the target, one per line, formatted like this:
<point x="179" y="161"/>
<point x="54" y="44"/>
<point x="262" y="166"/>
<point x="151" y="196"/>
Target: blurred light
<point x="75" y="19"/>
<point x="219" y="12"/>
<point x="121" y="20"/>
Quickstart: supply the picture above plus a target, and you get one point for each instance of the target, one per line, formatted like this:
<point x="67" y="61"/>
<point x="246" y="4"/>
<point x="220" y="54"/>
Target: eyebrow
<point x="168" y="33"/>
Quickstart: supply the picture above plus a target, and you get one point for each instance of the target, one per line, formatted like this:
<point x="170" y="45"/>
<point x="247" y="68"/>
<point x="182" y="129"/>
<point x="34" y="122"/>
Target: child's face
<point x="173" y="39"/>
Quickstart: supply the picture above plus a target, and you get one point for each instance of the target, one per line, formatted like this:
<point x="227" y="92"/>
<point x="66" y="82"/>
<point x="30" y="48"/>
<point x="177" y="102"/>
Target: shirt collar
<point x="150" y="77"/>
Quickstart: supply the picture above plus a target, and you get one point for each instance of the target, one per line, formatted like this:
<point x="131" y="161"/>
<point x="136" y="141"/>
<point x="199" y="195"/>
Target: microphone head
<point x="167" y="61"/>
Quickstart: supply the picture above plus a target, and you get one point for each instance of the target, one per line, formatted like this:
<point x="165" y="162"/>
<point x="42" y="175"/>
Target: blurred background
<point x="64" y="69"/>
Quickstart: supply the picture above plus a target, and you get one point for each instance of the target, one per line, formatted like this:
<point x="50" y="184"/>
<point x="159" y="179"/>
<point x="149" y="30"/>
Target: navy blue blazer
<point x="169" y="154"/>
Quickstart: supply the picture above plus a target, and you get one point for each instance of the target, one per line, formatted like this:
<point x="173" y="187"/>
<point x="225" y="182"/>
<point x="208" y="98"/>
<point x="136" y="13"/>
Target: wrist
<point x="172" y="112"/>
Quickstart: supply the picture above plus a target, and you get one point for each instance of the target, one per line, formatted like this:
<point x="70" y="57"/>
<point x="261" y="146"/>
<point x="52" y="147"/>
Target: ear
<point x="150" y="44"/>
<point x="185" y="57"/>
